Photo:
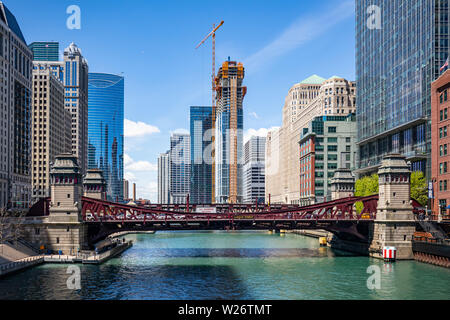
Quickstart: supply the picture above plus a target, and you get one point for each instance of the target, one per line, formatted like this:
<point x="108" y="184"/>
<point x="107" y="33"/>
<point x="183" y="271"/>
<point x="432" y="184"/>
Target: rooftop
<point x="314" y="79"/>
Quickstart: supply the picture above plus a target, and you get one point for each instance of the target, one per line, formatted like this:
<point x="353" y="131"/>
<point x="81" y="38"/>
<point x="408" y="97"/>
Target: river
<point x="231" y="265"/>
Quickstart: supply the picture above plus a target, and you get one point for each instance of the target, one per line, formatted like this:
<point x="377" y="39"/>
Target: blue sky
<point x="153" y="44"/>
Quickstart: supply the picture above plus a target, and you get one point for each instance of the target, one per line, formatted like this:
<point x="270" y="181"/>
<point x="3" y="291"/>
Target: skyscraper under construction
<point x="230" y="94"/>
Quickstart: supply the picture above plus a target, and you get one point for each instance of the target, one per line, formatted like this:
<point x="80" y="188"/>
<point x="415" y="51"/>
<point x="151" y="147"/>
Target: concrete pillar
<point x="394" y="225"/>
<point x="64" y="228"/>
<point x="342" y="184"/>
<point x="94" y="185"/>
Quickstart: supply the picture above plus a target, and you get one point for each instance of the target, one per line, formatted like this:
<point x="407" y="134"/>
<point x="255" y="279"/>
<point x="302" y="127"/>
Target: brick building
<point x="440" y="142"/>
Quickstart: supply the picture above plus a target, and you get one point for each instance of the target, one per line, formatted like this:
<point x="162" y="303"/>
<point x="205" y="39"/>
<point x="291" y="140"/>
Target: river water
<point x="231" y="265"/>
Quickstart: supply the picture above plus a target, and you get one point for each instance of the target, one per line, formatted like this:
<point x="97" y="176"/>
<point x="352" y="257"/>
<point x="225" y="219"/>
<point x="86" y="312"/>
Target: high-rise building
<point x="126" y="189"/>
<point x="76" y="100"/>
<point x="254" y="176"/>
<point x="106" y="130"/>
<point x="45" y="51"/>
<point x="15" y="114"/>
<point x="73" y="73"/>
<point x="179" y="166"/>
<point x="229" y="133"/>
<point x="163" y="178"/>
<point x="50" y="127"/>
<point x="201" y="161"/>
<point x="396" y="62"/>
<point x="328" y="143"/>
<point x="272" y="166"/>
<point x="312" y="97"/>
<point x="440" y="143"/>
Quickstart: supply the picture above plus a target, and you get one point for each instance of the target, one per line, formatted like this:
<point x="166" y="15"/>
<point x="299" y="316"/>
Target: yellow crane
<point x="212" y="34"/>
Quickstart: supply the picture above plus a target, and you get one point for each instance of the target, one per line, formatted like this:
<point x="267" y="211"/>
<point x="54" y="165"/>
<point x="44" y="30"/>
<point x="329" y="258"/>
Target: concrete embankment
<point x="90" y="258"/>
<point x="19" y="265"/>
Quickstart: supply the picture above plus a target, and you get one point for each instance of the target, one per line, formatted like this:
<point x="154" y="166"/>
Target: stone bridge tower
<point x="94" y="185"/>
<point x="342" y="184"/>
<point x="65" y="230"/>
<point x="394" y="224"/>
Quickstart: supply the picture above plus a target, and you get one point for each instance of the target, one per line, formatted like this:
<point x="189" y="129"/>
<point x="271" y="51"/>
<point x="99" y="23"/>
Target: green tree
<point x="366" y="186"/>
<point x="419" y="188"/>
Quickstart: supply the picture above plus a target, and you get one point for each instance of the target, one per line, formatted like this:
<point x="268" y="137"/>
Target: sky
<point x="152" y="44"/>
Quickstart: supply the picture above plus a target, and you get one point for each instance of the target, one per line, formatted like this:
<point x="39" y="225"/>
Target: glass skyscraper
<point x="179" y="167"/>
<point x="45" y="51"/>
<point x="400" y="46"/>
<point x="201" y="161"/>
<point x="105" y="138"/>
<point x="229" y="140"/>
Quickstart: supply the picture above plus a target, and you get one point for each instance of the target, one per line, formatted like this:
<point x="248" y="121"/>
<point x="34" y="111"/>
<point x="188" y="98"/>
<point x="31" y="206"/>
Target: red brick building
<point x="440" y="143"/>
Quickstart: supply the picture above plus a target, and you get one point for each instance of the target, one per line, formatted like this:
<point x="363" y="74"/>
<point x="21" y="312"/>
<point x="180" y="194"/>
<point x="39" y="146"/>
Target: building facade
<point x="45" y="51"/>
<point x="50" y="127"/>
<point x="229" y="138"/>
<point x="327" y="144"/>
<point x="179" y="166"/>
<point x="272" y="167"/>
<point x="254" y="174"/>
<point x="106" y="130"/>
<point x="201" y="158"/>
<point x="163" y="178"/>
<point x="440" y="143"/>
<point x="126" y="189"/>
<point x="395" y="65"/>
<point x="15" y="114"/>
<point x="312" y="97"/>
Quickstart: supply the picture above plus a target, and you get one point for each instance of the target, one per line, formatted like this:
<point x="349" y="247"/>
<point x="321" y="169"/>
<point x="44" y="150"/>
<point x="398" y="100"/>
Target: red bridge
<point x="337" y="216"/>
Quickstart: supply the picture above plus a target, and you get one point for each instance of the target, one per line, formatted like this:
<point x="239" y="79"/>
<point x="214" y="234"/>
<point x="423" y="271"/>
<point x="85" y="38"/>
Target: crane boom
<point x="212" y="34"/>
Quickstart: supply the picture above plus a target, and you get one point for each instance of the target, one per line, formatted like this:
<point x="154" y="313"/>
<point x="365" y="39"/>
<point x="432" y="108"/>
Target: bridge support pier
<point x="394" y="225"/>
<point x="63" y="229"/>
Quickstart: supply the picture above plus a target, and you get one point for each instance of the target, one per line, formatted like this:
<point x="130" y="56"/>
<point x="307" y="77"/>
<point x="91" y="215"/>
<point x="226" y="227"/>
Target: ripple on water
<point x="237" y="265"/>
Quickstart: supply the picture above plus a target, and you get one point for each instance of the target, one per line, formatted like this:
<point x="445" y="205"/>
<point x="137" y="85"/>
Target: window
<point x="332" y="157"/>
<point x="332" y="165"/>
<point x="332" y="129"/>
<point x="333" y="139"/>
<point x="332" y="148"/>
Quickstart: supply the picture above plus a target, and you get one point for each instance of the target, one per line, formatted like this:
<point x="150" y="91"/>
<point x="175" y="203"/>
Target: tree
<point x="419" y="188"/>
<point x="366" y="186"/>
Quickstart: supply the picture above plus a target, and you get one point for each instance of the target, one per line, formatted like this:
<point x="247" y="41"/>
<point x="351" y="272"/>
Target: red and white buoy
<point x="389" y="254"/>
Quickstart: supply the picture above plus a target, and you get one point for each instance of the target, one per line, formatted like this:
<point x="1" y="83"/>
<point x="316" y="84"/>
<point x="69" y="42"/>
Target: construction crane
<point x="212" y="34"/>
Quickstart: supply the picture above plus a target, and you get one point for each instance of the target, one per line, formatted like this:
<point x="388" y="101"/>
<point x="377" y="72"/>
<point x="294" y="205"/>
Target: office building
<point x="50" y="127"/>
<point x="328" y="143"/>
<point x="312" y="97"/>
<point x="254" y="176"/>
<point x="45" y="51"/>
<point x="272" y="166"/>
<point x="440" y="143"/>
<point x="106" y="130"/>
<point x="395" y="65"/>
<point x="126" y="189"/>
<point x="179" y="166"/>
<point x="201" y="161"/>
<point x="15" y="114"/>
<point x="163" y="178"/>
<point x="229" y="153"/>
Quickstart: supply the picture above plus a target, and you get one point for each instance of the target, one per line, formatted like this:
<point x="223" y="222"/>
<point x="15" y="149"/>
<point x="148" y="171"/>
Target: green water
<point x="233" y="265"/>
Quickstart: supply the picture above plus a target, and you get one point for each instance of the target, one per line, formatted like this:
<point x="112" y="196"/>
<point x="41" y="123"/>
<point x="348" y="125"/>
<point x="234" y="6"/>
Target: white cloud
<point x="131" y="165"/>
<point x="180" y="131"/>
<point x="261" y="132"/>
<point x="138" y="129"/>
<point x="254" y="115"/>
<point x="300" y="32"/>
